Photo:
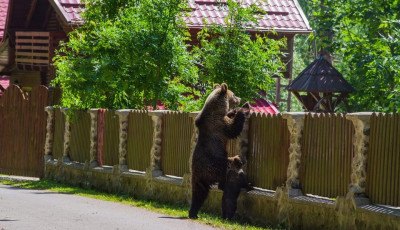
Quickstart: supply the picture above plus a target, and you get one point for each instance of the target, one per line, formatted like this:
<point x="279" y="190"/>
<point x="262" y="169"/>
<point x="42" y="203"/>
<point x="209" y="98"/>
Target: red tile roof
<point x="3" y="16"/>
<point x="281" y="15"/>
<point x="263" y="106"/>
<point x="5" y="82"/>
<point x="71" y="10"/>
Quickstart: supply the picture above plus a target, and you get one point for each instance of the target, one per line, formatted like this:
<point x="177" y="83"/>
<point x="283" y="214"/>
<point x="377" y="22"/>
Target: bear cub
<point x="235" y="181"/>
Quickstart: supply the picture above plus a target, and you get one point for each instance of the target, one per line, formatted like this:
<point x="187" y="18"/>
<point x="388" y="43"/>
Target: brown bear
<point x="235" y="181"/>
<point x="210" y="158"/>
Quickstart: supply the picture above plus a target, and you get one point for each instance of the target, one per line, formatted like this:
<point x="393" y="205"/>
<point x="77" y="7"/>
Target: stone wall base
<point x="270" y="208"/>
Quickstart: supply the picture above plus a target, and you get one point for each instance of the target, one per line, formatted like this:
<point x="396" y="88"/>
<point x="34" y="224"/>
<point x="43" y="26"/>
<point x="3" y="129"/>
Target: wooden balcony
<point x="35" y="50"/>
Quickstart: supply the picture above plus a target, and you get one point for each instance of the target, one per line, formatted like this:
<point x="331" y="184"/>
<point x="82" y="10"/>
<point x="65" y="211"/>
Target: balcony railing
<point x="35" y="50"/>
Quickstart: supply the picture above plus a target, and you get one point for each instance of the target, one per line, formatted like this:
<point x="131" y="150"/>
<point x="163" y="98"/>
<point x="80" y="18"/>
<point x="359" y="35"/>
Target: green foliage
<point x="364" y="41"/>
<point x="230" y="54"/>
<point x="128" y="54"/>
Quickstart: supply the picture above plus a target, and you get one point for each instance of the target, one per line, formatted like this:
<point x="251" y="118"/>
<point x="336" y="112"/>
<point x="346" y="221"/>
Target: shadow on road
<point x="173" y="217"/>
<point x="3" y="220"/>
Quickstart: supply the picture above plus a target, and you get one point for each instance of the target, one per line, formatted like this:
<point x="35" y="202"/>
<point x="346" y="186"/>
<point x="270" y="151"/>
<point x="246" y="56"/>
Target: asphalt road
<point x="22" y="209"/>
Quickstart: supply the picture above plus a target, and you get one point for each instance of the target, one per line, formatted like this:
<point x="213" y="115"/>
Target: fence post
<point x="123" y="137"/>
<point x="156" y="150"/>
<point x="93" y="137"/>
<point x="67" y="136"/>
<point x="48" y="148"/>
<point x="295" y="123"/>
<point x="361" y="122"/>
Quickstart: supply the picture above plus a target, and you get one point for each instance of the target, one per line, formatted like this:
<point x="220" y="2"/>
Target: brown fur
<point x="210" y="159"/>
<point x="235" y="181"/>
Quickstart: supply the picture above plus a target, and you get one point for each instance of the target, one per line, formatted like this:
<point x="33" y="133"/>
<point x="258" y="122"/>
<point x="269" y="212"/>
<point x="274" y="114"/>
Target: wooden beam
<point x="297" y="95"/>
<point x="318" y="98"/>
<point x="30" y="14"/>
<point x="48" y="15"/>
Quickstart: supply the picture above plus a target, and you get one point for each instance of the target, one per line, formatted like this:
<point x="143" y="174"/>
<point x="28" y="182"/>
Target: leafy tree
<point x="128" y="54"/>
<point x="369" y="40"/>
<point x="229" y="53"/>
<point x="364" y="41"/>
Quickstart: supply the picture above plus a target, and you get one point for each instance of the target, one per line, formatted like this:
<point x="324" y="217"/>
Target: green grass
<point x="169" y="209"/>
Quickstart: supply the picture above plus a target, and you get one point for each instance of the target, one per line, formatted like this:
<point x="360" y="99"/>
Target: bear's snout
<point x="234" y="102"/>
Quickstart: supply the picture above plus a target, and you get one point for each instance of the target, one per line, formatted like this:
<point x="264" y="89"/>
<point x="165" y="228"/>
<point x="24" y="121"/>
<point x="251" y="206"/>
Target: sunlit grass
<point x="175" y="210"/>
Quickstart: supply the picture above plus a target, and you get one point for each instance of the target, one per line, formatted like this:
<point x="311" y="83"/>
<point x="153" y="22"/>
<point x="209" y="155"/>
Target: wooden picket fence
<point x="80" y="136"/>
<point x="327" y="149"/>
<point x="59" y="129"/>
<point x="383" y="161"/>
<point x="22" y="131"/>
<point x="178" y="130"/>
<point x="268" y="156"/>
<point x="140" y="140"/>
<point x="110" y="148"/>
<point x="326" y="154"/>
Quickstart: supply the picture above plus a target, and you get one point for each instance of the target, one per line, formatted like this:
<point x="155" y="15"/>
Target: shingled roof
<point x="4" y="82"/>
<point x="281" y="15"/>
<point x="70" y="10"/>
<point x="320" y="76"/>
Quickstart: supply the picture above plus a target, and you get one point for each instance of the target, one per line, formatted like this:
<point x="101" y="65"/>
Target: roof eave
<point x="279" y="30"/>
<point x="60" y="11"/>
<point x="318" y="91"/>
<point x="303" y="16"/>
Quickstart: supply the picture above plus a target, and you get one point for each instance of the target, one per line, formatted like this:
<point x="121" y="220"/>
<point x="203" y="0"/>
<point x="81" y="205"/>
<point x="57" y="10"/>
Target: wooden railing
<point x="35" y="50"/>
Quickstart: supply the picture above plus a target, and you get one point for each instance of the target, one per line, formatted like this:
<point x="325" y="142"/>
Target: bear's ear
<point x="224" y="88"/>
<point x="217" y="86"/>
<point x="238" y="162"/>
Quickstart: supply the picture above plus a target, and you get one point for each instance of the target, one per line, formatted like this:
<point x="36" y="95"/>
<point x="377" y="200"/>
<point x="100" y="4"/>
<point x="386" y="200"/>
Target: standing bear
<point x="235" y="181"/>
<point x="210" y="158"/>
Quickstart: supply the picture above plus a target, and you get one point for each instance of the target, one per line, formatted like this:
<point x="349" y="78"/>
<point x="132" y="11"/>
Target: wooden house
<point x="30" y="34"/>
<point x="34" y="28"/>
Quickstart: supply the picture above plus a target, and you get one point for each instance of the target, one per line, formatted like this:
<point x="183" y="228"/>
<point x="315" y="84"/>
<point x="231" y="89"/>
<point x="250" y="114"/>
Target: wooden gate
<point x="22" y="131"/>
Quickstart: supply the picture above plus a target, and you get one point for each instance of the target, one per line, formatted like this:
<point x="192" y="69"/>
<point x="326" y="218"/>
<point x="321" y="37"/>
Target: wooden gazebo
<point x="321" y="88"/>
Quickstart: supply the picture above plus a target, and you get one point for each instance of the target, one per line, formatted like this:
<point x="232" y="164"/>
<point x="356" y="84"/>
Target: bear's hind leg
<point x="199" y="194"/>
<point x="229" y="206"/>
